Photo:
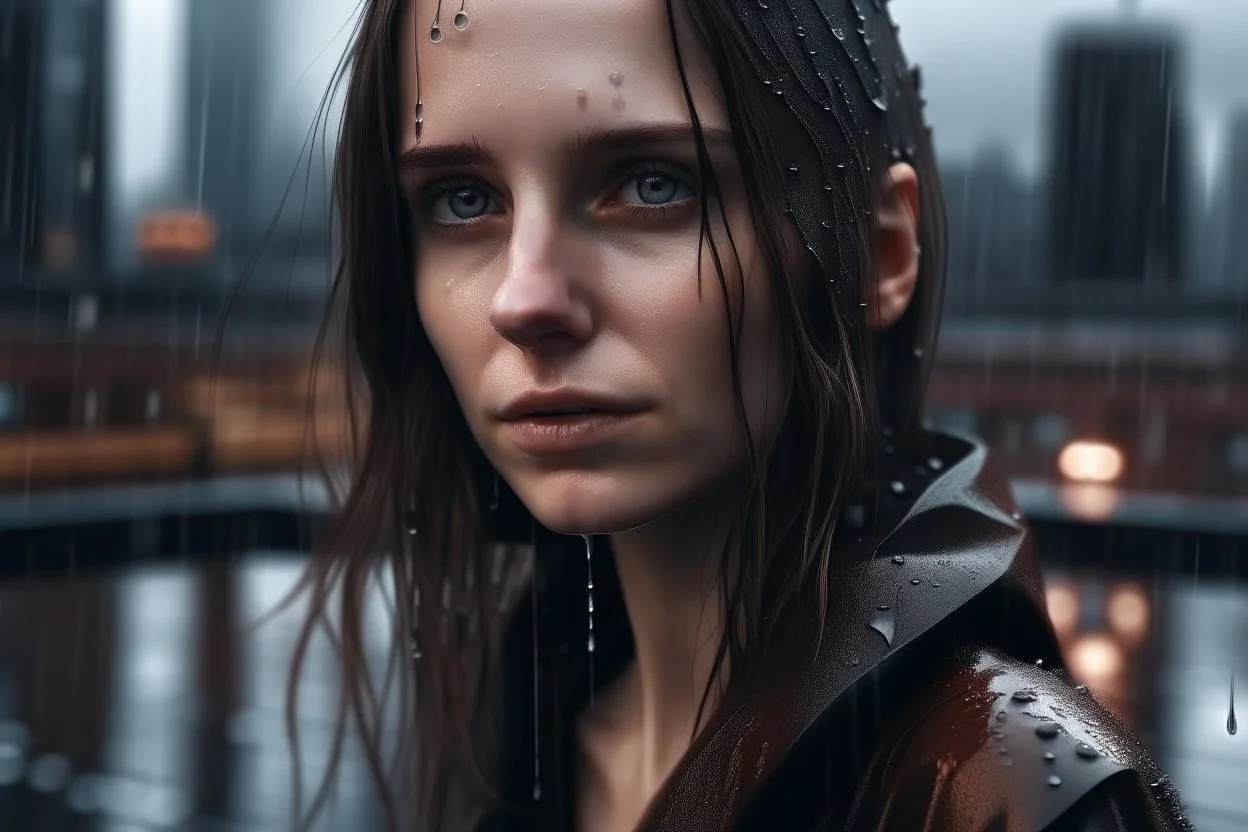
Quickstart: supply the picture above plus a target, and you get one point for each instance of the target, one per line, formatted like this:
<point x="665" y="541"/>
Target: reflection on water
<point x="141" y="699"/>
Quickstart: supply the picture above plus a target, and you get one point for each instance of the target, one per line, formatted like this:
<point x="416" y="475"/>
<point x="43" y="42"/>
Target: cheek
<point x="450" y="315"/>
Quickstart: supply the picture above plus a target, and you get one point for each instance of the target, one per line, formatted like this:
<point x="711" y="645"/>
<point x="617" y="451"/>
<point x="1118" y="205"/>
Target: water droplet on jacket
<point x="1047" y="730"/>
<point x="1081" y="688"/>
<point x="883" y="607"/>
<point x="853" y="660"/>
<point x="1039" y="662"/>
<point x="1049" y="756"/>
<point x="1000" y="751"/>
<point x="898" y="559"/>
<point x="935" y="464"/>
<point x="1054" y="781"/>
<point x="937" y="584"/>
<point x="762" y="5"/>
<point x="792" y="168"/>
<point x="838" y="33"/>
<point x="885" y="623"/>
<point x="1086" y="751"/>
<point x="1024" y="696"/>
<point x="461" y="21"/>
<point x="898" y="487"/>
<point x="801" y="32"/>
<point x="589" y="643"/>
<point x="915" y="582"/>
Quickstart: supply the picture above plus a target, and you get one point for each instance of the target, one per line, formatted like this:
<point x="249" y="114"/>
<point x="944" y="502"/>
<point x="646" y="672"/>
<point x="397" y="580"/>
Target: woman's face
<point x="554" y="196"/>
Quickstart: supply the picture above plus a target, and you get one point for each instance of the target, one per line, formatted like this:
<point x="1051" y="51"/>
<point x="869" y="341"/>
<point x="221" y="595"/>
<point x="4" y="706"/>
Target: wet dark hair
<point x="820" y="100"/>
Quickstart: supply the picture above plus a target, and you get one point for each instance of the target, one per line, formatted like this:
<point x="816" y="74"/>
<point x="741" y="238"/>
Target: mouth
<point x="564" y="404"/>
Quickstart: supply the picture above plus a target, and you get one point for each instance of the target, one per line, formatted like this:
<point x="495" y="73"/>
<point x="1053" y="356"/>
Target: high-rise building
<point x="71" y="196"/>
<point x="20" y="147"/>
<point x="220" y="99"/>
<point x="1234" y="204"/>
<point x="1119" y="174"/>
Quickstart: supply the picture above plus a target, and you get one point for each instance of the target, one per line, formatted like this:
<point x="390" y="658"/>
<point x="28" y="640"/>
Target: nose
<point x="542" y="302"/>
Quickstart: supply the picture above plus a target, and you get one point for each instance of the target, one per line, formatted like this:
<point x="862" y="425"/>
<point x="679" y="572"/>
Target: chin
<point x="577" y="503"/>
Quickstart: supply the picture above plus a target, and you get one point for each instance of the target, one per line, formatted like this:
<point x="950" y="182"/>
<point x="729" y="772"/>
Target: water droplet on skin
<point x="461" y="21"/>
<point x="1054" y="781"/>
<point x="1002" y="751"/>
<point x="1000" y="716"/>
<point x="1024" y="696"/>
<point x="1086" y="752"/>
<point x="435" y="34"/>
<point x="1047" y="730"/>
<point x="1049" y="756"/>
<point x="616" y="78"/>
<point x="898" y="559"/>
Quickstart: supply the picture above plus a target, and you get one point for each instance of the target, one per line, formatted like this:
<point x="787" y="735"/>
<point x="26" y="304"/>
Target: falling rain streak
<point x="589" y="602"/>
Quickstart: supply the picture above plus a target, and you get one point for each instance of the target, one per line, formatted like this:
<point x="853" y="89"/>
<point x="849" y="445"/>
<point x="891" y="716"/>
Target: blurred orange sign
<point x="176" y="235"/>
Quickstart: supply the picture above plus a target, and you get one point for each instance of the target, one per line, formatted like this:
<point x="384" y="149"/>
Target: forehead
<point x="525" y="68"/>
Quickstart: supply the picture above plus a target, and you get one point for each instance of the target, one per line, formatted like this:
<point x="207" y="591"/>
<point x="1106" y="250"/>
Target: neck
<point x="668" y="575"/>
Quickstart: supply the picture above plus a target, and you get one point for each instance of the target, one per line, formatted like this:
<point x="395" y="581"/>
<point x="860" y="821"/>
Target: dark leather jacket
<point x="936" y="700"/>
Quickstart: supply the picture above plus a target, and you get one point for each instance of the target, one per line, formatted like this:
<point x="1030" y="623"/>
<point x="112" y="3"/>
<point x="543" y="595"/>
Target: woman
<point x="641" y="297"/>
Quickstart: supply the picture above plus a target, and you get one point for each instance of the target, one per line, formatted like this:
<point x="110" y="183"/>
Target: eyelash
<point x="427" y="198"/>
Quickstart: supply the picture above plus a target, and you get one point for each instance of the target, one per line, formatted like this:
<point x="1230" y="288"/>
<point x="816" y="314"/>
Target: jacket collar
<point x="961" y="542"/>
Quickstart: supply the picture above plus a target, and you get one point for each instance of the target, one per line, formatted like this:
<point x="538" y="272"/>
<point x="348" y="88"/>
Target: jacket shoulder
<point x="995" y="743"/>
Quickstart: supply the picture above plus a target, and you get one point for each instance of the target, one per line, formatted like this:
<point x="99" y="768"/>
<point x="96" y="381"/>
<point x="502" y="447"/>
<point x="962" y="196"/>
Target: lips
<point x="566" y="403"/>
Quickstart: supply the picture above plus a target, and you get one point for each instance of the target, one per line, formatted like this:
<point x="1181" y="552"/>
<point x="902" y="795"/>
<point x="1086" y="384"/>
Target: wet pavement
<point x="136" y="698"/>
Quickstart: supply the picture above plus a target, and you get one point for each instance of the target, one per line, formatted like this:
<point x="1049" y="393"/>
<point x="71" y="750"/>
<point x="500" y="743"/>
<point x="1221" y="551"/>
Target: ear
<point x="897" y="248"/>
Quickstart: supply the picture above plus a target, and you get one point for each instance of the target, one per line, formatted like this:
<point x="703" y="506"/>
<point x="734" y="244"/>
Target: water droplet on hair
<point x="918" y="352"/>
<point x="1024" y="696"/>
<point x="937" y="584"/>
<point x="1081" y="688"/>
<point x="792" y="168"/>
<point x="853" y="660"/>
<point x="1047" y="730"/>
<point x="461" y="21"/>
<point x="899" y="559"/>
<point x="884" y="622"/>
<point x="435" y="33"/>
<point x="1054" y="781"/>
<point x="1086" y="752"/>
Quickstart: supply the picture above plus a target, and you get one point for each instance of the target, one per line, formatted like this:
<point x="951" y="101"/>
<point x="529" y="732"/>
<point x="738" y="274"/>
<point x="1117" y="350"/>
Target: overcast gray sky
<point x="987" y="63"/>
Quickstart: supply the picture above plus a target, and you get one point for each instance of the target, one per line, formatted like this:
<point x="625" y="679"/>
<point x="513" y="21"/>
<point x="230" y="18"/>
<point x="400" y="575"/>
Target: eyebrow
<point x="473" y="152"/>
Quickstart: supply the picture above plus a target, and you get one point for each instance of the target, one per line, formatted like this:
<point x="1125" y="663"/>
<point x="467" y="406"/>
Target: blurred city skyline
<point x="987" y="84"/>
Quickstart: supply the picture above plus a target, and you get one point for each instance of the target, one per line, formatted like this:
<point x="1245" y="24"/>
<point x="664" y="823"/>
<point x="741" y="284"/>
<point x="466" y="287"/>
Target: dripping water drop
<point x="589" y="591"/>
<point x="1232" y="724"/>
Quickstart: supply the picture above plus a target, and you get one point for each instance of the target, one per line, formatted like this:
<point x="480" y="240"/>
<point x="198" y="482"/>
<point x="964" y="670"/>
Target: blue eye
<point x="462" y="203"/>
<point x="654" y="188"/>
